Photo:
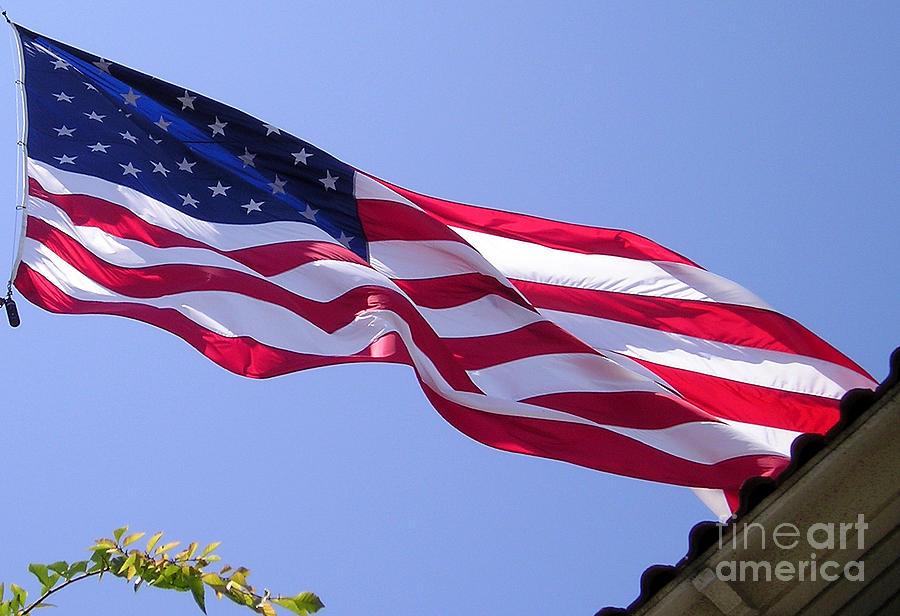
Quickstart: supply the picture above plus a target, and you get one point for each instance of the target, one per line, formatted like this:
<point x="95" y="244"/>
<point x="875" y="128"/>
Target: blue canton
<point x="210" y="161"/>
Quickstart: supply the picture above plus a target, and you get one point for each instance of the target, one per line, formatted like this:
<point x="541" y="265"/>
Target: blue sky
<point x="760" y="140"/>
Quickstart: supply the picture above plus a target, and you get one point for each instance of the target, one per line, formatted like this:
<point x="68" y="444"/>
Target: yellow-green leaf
<point x="165" y="548"/>
<point x="208" y="549"/>
<point x="212" y="579"/>
<point x="266" y="609"/>
<point x="131" y="539"/>
<point x="152" y="541"/>
<point x="128" y="563"/>
<point x="102" y="544"/>
<point x="119" y="532"/>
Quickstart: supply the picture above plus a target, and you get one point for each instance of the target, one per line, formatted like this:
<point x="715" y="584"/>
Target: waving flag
<point x="270" y="256"/>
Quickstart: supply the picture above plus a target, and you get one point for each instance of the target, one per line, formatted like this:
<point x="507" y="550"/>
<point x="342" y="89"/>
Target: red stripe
<point x="268" y="260"/>
<point x="550" y="233"/>
<point x="388" y="220"/>
<point x="754" y="404"/>
<point x="645" y="410"/>
<point x="597" y="448"/>
<point x="168" y="279"/>
<point x="458" y="289"/>
<point x="241" y="355"/>
<point x="727" y="323"/>
<point x="541" y="338"/>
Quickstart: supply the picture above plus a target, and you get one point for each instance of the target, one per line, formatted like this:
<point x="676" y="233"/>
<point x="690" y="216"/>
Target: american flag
<point x="269" y="256"/>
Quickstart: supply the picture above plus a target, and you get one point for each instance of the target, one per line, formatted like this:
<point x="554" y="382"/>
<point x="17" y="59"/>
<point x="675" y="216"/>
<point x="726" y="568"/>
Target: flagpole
<point x="11" y="311"/>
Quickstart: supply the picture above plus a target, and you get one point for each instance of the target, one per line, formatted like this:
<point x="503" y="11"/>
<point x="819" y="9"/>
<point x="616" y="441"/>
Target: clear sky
<point x="758" y="139"/>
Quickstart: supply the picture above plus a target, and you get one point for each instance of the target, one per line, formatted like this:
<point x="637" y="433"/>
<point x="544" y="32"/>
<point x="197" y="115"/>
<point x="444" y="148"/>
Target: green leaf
<point x="119" y="532"/>
<point x="43" y="605"/>
<point x="303" y="604"/>
<point x="199" y="593"/>
<point x="75" y="568"/>
<point x="50" y="583"/>
<point x="151" y="542"/>
<point x="2" y="590"/>
<point x="131" y="539"/>
<point x="19" y="593"/>
<point x="59" y="567"/>
<point x="40" y="572"/>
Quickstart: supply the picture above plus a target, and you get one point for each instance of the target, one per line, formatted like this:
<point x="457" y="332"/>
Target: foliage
<point x="184" y="571"/>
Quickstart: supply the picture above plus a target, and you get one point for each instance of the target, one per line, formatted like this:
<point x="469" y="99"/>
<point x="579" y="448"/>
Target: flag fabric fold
<point x="592" y="346"/>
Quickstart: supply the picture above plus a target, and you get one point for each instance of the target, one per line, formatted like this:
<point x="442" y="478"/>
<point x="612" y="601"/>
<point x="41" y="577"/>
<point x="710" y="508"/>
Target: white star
<point x="90" y="86"/>
<point x="184" y="165"/>
<point x="64" y="131"/>
<point x="301" y="156"/>
<point x="128" y="136"/>
<point x="158" y="168"/>
<point x="130" y="97"/>
<point x="129" y="169"/>
<point x="163" y="124"/>
<point x="93" y="116"/>
<point x="156" y="141"/>
<point x="187" y="101"/>
<point x="103" y="65"/>
<point x="253" y="206"/>
<point x="271" y="129"/>
<point x="218" y="128"/>
<point x="218" y="189"/>
<point x="310" y="213"/>
<point x="345" y="239"/>
<point x="63" y="97"/>
<point x="98" y="147"/>
<point x="60" y="63"/>
<point x="278" y="185"/>
<point x="247" y="158"/>
<point x="189" y="200"/>
<point x="329" y="180"/>
<point x="66" y="159"/>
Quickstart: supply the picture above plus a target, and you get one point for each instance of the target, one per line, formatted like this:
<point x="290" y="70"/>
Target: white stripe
<point x="777" y="439"/>
<point x="417" y="260"/>
<point x="558" y="373"/>
<point x="365" y="187"/>
<point x="485" y="316"/>
<point x="536" y="263"/>
<point x="766" y="368"/>
<point x="709" y="440"/>
<point x="222" y="236"/>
